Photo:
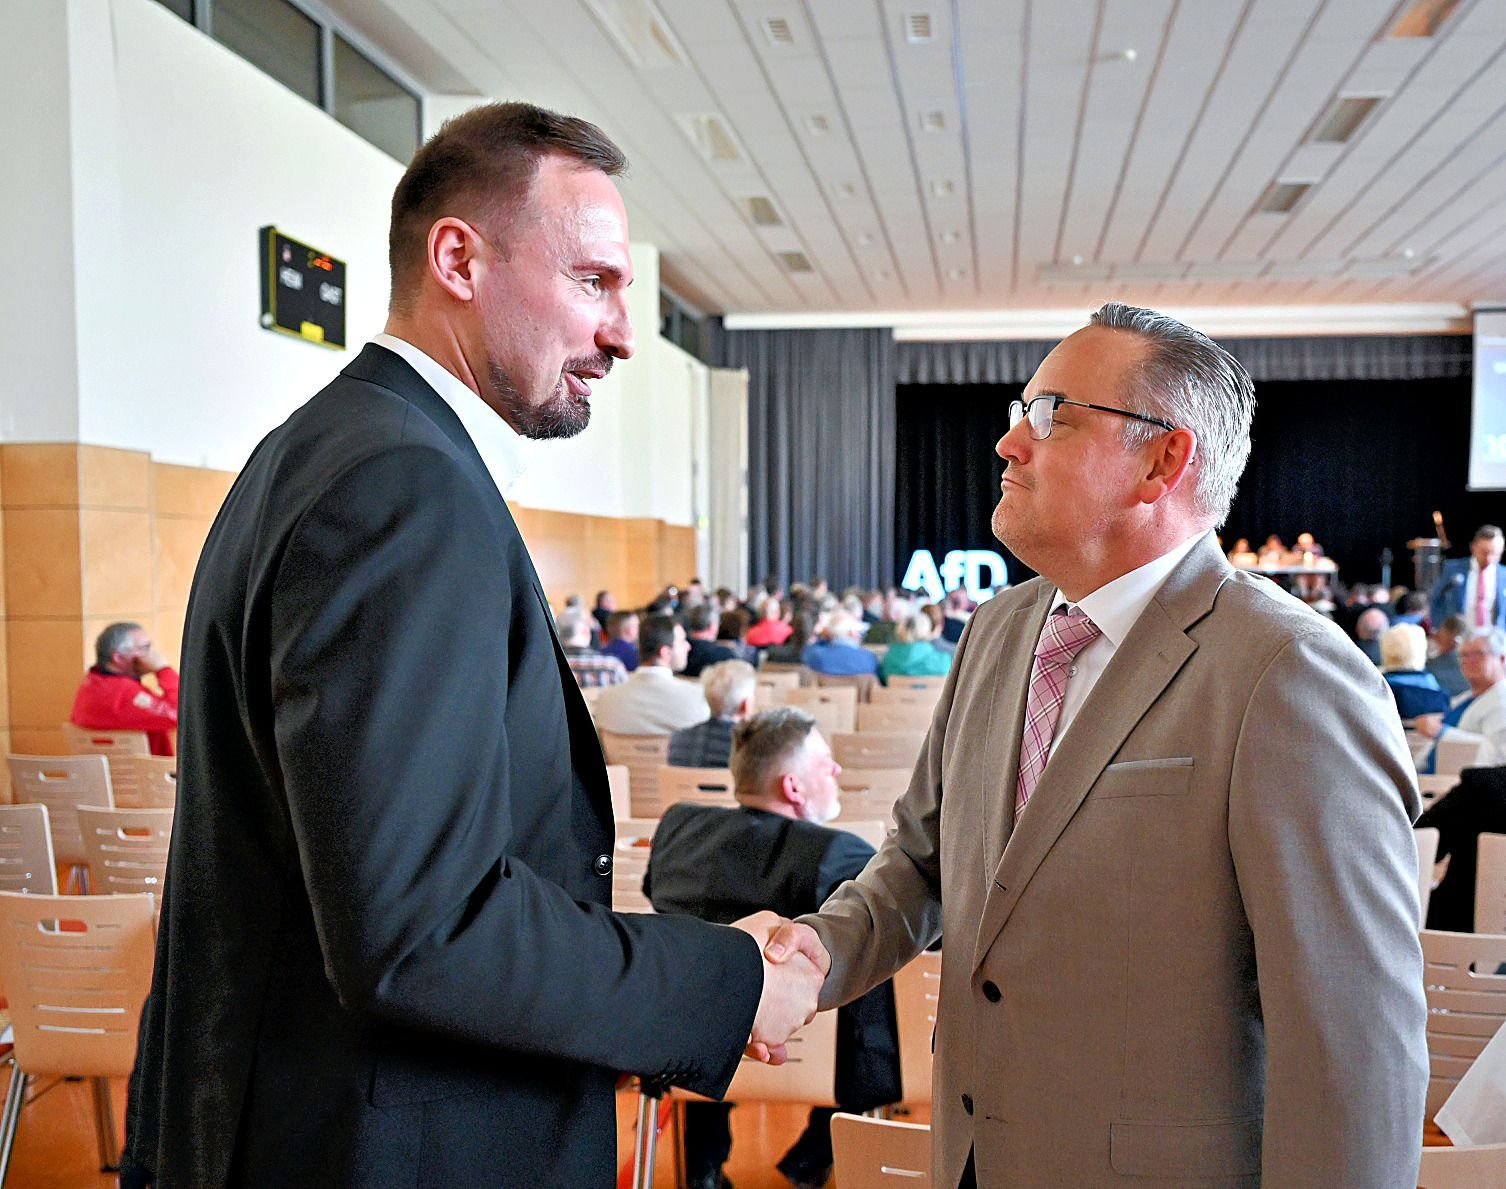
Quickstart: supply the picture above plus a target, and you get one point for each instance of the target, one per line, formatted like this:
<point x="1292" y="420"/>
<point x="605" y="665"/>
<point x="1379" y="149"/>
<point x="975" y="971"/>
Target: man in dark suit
<point x="776" y="852"/>
<point x="1474" y="806"/>
<point x="386" y="954"/>
<point x="1472" y="586"/>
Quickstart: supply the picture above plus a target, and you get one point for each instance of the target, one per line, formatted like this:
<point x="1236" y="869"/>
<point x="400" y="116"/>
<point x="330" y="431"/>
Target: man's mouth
<point x="578" y="379"/>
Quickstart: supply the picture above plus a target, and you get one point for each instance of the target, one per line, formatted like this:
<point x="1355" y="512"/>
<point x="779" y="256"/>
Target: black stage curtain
<point x="1359" y="464"/>
<point x="820" y="451"/>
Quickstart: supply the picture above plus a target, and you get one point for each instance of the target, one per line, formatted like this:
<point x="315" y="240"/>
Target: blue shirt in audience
<point x="839" y="658"/>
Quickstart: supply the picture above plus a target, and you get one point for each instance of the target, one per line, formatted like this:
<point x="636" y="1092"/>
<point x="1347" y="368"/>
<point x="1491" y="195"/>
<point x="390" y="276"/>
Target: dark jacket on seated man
<point x="721" y="864"/>
<point x="1475" y="806"/>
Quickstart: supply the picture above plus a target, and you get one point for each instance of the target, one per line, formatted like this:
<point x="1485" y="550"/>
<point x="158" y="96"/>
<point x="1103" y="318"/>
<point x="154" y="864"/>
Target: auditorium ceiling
<point x="862" y="157"/>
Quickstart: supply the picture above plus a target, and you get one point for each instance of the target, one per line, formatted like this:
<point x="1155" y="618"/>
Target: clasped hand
<point x="795" y="966"/>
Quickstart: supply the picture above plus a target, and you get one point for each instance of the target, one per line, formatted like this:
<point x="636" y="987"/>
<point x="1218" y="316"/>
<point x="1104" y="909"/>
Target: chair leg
<point x="104" y="1127"/>
<point x="645" y="1141"/>
<point x="677" y="1127"/>
<point x="10" y="1117"/>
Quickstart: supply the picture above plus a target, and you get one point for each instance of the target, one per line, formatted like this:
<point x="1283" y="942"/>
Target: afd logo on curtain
<point x="959" y="567"/>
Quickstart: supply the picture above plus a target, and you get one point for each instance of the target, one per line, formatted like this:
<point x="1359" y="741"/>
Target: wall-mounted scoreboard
<point x="302" y="290"/>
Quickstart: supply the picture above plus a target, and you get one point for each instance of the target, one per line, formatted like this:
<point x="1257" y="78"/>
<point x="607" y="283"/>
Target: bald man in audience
<point x="1165" y="810"/>
<point x="777" y="851"/>
<point x="730" y="688"/>
<point x="1368" y="630"/>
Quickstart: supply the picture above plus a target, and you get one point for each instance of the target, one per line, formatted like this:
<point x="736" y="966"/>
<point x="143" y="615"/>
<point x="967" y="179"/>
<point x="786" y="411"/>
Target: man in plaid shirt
<point x="591" y="668"/>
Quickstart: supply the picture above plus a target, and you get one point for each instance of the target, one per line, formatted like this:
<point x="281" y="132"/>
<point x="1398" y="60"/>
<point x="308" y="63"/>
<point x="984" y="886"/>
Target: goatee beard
<point x="563" y="415"/>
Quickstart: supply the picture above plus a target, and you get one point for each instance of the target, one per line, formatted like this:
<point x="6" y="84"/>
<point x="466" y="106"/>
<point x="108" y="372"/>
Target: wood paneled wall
<point x="90" y="535"/>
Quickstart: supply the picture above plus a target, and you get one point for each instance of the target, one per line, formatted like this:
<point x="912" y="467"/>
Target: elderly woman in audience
<point x="1404" y="655"/>
<point x="914" y="654"/>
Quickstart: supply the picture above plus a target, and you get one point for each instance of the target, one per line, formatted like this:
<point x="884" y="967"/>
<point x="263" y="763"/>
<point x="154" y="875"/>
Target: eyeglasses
<point x="1041" y="413"/>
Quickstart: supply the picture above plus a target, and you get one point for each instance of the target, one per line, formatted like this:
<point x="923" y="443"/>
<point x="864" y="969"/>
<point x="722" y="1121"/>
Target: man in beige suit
<point x="1163" y="820"/>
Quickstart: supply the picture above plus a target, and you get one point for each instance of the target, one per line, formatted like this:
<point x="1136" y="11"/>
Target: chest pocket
<point x="1170" y="777"/>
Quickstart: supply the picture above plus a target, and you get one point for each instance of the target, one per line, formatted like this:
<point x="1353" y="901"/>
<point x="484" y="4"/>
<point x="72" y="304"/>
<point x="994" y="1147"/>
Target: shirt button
<point x="967" y="1103"/>
<point x="603" y="864"/>
<point x="991" y="992"/>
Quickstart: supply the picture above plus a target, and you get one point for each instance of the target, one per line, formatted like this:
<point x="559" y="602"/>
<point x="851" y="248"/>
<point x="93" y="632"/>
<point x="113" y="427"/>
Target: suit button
<point x="603" y="864"/>
<point x="991" y="992"/>
<point x="967" y="1103"/>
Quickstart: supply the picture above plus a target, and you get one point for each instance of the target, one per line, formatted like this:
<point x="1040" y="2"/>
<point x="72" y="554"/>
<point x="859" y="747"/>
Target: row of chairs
<point x="866" y="685"/>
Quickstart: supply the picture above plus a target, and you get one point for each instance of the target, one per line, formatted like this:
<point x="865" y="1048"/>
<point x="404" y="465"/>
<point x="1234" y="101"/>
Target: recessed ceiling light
<point x="864" y="238"/>
<point x="950" y="237"/>
<point x="1077" y="260"/>
<point x="795" y="261"/>
<point x="1340" y="122"/>
<point x="847" y="189"/>
<point x="956" y="273"/>
<point x="761" y="211"/>
<point x="1283" y="196"/>
<point x="933" y="121"/>
<point x="817" y="124"/>
<point x="941" y="189"/>
<point x="1422" y="18"/>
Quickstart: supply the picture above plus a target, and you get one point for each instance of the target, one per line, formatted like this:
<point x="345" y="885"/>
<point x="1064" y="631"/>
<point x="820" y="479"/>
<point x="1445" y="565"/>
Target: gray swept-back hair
<point x="1189" y="380"/>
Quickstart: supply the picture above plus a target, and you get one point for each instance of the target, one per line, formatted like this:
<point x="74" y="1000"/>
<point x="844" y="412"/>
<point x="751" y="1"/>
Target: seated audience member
<point x="1411" y="607"/>
<point x="591" y="668"/>
<point x="1475" y="806"/>
<point x="729" y="688"/>
<point x="775" y="851"/>
<point x="606" y="603"/>
<point x="731" y="632"/>
<point x="802" y="629"/>
<point x="932" y="611"/>
<point x="1472" y="586"/>
<point x="1479" y="714"/>
<point x="1444" y="663"/>
<point x="130" y="688"/>
<point x="701" y="625"/>
<point x="622" y="638"/>
<point x="914" y="655"/>
<point x="653" y="701"/>
<point x="838" y="652"/>
<point x="956" y="610"/>
<point x="1368" y="629"/>
<point x="770" y="628"/>
<point x="693" y="595"/>
<point x="1404" y="652"/>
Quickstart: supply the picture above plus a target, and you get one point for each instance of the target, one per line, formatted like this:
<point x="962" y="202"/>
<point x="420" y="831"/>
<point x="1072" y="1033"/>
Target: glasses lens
<point x="1040" y="417"/>
<point x="1016" y="413"/>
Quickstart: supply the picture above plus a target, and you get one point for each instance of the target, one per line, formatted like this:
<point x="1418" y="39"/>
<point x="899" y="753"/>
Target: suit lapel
<point x="1154" y="651"/>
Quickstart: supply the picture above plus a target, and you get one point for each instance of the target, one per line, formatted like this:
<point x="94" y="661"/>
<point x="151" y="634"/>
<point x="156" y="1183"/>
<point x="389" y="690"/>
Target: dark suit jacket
<point x="1447" y="595"/>
<point x="704" y="654"/>
<point x="722" y="864"/>
<point x="1475" y="806"/>
<point x="386" y="956"/>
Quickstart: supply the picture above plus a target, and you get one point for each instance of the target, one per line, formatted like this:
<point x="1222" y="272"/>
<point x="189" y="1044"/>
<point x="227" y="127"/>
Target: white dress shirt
<point x="500" y="446"/>
<point x="652" y="701"/>
<point x="1471" y="585"/>
<point x="1114" y="607"/>
<point x="1484" y="719"/>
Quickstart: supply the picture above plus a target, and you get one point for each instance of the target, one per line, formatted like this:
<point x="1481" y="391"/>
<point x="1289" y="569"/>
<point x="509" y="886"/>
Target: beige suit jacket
<point x="1194" y="958"/>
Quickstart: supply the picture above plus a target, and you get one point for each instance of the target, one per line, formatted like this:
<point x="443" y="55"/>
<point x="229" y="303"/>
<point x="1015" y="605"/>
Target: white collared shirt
<point x="1114" y="607"/>
<point x="500" y="446"/>
<point x="1477" y="574"/>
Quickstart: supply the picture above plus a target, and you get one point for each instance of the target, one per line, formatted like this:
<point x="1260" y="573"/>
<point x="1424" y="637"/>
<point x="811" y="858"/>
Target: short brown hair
<point x="479" y="166"/>
<point x="764" y="743"/>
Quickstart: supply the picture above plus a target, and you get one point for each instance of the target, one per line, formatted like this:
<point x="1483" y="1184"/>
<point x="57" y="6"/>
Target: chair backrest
<point x="917" y="993"/>
<point x="803" y="675"/>
<point x="900" y="692"/>
<point x="807" y="1076"/>
<point x="890" y="782"/>
<point x="1454" y="755"/>
<point x="1449" y="1168"/>
<point x="127" y="848"/>
<point x="773" y="687"/>
<point x="620" y="784"/>
<point x="880" y="1153"/>
<point x="701" y="786"/>
<point x="62" y="783"/>
<point x="895" y="716"/>
<point x="143" y="782"/>
<point x="1490" y="884"/>
<point x="76" y="970"/>
<point x="1427" y="857"/>
<point x="27" y="863"/>
<point x="866" y="805"/>
<point x="916" y="685"/>
<point x="878" y="749"/>
<point x="1432" y="786"/>
<point x="629" y="862"/>
<point x="1466" y="1003"/>
<point x="873" y="831"/>
<point x="89" y="741"/>
<point x="643" y="756"/>
<point x="859" y="683"/>
<point x="835" y="708"/>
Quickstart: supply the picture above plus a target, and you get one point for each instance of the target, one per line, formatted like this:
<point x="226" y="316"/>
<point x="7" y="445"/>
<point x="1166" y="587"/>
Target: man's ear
<point x="790" y="790"/>
<point x="1168" y="460"/>
<point x="453" y="258"/>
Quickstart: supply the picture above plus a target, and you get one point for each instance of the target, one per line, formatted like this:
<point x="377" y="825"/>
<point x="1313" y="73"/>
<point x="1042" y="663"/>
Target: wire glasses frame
<point x="1041" y="413"/>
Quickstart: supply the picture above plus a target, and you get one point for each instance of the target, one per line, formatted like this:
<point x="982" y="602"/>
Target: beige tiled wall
<point x="92" y="535"/>
<point x="634" y="558"/>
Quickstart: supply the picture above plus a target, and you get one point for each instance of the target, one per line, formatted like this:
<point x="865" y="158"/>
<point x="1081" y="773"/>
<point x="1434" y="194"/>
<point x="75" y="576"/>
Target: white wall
<point x="150" y="157"/>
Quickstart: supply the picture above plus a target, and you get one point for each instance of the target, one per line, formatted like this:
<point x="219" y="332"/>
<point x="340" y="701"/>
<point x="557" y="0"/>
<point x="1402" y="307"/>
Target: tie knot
<point x="1067" y="633"/>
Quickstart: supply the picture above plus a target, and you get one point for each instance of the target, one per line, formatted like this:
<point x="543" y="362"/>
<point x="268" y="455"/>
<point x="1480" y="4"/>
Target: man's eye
<point x="593" y="283"/>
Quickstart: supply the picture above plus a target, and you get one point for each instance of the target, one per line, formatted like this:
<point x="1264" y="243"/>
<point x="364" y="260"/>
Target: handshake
<point x="795" y="966"/>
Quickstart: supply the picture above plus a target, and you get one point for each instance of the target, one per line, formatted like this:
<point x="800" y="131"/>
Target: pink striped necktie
<point x="1482" y="609"/>
<point x="1067" y="633"/>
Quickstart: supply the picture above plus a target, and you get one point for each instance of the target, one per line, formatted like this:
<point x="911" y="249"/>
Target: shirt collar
<point x="1116" y="605"/>
<point x="500" y="446"/>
